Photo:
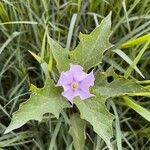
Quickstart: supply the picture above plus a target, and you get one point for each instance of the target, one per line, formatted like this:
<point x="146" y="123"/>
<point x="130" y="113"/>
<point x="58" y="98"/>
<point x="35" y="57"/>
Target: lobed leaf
<point x="89" y="51"/>
<point x="94" y="111"/>
<point x="60" y="54"/>
<point x="119" y="86"/>
<point x="42" y="100"/>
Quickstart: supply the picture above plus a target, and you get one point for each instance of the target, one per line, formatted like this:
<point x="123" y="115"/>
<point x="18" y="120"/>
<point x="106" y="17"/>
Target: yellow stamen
<point x="74" y="85"/>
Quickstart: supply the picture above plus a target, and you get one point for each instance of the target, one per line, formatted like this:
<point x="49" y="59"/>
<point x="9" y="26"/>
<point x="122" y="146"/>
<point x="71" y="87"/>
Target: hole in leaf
<point x="110" y="79"/>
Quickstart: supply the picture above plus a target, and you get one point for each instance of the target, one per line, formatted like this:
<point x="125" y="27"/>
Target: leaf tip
<point x="110" y="13"/>
<point x="108" y="18"/>
<point x="8" y="129"/>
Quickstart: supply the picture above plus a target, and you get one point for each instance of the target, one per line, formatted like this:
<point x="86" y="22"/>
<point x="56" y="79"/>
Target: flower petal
<point x="81" y="78"/>
<point x="77" y="72"/>
<point x="88" y="80"/>
<point x="66" y="87"/>
<point x="70" y="94"/>
<point x="66" y="78"/>
<point x="85" y="94"/>
<point x="76" y="68"/>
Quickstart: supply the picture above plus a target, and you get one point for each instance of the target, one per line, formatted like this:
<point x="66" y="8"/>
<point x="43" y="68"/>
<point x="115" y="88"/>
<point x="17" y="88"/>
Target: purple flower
<point x="76" y="82"/>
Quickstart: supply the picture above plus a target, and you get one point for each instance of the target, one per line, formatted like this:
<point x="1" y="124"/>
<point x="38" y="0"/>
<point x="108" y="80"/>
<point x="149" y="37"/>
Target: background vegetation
<point x="22" y="27"/>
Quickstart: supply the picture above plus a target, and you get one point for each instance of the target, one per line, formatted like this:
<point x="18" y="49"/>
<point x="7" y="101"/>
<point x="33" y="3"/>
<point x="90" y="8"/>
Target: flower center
<point x="74" y="85"/>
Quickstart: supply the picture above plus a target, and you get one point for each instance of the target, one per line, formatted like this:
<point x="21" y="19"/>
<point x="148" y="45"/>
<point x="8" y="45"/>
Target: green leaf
<point x="77" y="131"/>
<point x="12" y="139"/>
<point x="10" y="38"/>
<point x="4" y="17"/>
<point x="136" y="60"/>
<point x="136" y="41"/>
<point x="118" y="87"/>
<point x="128" y="60"/>
<point x="94" y="111"/>
<point x="121" y="87"/>
<point x="135" y="106"/>
<point x="145" y="132"/>
<point x="61" y="55"/>
<point x="42" y="100"/>
<point x="89" y="51"/>
<point x="38" y="58"/>
<point x="43" y="64"/>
